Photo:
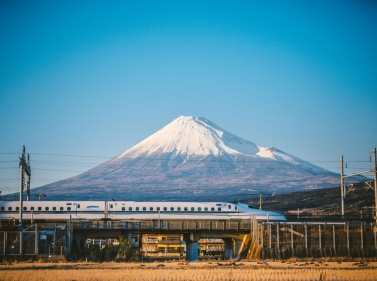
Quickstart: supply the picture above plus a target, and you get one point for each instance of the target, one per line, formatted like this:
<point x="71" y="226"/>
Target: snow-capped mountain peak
<point x="198" y="137"/>
<point x="192" y="137"/>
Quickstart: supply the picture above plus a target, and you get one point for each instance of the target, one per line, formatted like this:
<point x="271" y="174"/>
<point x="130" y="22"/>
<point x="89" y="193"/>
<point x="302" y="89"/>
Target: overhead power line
<point x="159" y="159"/>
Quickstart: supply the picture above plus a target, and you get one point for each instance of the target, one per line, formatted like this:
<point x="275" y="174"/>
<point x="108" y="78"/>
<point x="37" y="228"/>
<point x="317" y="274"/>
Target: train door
<point x="77" y="209"/>
<point x="110" y="209"/>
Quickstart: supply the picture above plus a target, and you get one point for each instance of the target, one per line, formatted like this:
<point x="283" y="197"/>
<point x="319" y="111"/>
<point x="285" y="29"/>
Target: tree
<point x="126" y="252"/>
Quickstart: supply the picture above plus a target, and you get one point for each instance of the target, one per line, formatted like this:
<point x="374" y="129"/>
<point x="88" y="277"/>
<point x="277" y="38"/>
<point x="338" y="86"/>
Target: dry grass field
<point x="195" y="271"/>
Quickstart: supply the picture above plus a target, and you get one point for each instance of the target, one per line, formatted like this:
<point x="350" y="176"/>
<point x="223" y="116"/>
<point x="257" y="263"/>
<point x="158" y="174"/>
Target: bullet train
<point x="128" y="210"/>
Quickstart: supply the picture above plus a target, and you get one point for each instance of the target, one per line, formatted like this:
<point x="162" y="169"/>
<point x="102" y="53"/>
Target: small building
<point x="163" y="245"/>
<point x="211" y="247"/>
<point x="157" y="245"/>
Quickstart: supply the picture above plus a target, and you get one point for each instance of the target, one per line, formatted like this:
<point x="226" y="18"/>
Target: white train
<point x="127" y="210"/>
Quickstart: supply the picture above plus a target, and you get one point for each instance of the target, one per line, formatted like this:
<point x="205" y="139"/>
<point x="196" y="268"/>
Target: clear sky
<point x="93" y="78"/>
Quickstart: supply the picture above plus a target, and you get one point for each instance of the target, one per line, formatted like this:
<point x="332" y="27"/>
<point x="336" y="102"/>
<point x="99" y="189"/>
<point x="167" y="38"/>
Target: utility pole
<point x="260" y="201"/>
<point x="40" y="195"/>
<point x="375" y="184"/>
<point x="24" y="167"/>
<point x="28" y="179"/>
<point x="342" y="177"/>
<point x="342" y="195"/>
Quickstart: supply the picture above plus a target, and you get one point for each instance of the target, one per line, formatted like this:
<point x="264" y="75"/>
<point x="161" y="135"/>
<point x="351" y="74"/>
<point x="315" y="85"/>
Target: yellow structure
<point x="163" y="245"/>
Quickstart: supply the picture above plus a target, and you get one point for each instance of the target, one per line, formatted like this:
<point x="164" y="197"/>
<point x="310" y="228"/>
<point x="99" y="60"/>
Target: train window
<point x="199" y="209"/>
<point x="144" y="208"/>
<point x="219" y="209"/>
<point x="39" y="208"/>
<point x="123" y="208"/>
<point x="47" y="208"/>
<point x="192" y="209"/>
<point x="68" y="208"/>
<point x="69" y="203"/>
<point x="25" y="208"/>
<point x="212" y="209"/>
<point x="111" y="206"/>
<point x="186" y="208"/>
<point x="158" y="208"/>
<point x="130" y="208"/>
<point x="32" y="208"/>
<point x="206" y="209"/>
<point x="229" y="207"/>
<point x="78" y="206"/>
<point x="61" y="208"/>
<point x="9" y="208"/>
<point x="179" y="208"/>
<point x="137" y="208"/>
<point x="150" y="208"/>
<point x="17" y="208"/>
<point x="165" y="208"/>
<point x="2" y="208"/>
<point x="235" y="208"/>
<point x="218" y="204"/>
<point x="54" y="208"/>
<point x="171" y="208"/>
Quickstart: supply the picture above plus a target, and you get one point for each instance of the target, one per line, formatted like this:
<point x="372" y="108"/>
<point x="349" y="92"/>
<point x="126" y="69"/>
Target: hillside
<point x="320" y="202"/>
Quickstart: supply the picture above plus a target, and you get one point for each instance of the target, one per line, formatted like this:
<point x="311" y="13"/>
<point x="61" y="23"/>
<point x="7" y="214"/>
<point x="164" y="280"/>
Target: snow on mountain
<point x="189" y="136"/>
<point x="193" y="159"/>
<point x="193" y="137"/>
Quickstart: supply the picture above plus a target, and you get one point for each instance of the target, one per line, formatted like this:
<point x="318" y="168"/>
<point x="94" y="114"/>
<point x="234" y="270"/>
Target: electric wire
<point x="98" y="165"/>
<point x="159" y="159"/>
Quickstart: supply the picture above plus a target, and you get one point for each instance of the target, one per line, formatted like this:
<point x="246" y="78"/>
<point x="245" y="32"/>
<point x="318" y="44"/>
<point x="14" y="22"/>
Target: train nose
<point x="276" y="217"/>
<point x="280" y="217"/>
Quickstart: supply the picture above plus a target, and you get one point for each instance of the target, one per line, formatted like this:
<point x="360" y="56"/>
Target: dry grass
<point x="189" y="272"/>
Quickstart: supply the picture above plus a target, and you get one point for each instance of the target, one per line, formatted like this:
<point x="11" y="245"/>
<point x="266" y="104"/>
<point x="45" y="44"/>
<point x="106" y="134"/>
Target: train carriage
<point x="125" y="210"/>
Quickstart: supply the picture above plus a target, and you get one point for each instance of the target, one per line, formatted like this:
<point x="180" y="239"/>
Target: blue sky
<point x="94" y="78"/>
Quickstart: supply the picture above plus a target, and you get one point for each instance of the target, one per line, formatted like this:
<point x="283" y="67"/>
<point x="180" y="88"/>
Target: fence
<point x="242" y="225"/>
<point x="43" y="240"/>
<point x="19" y="242"/>
<point x="52" y="239"/>
<point x="286" y="240"/>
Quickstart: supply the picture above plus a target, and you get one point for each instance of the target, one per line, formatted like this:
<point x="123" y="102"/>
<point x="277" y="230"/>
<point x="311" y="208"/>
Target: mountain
<point x="321" y="203"/>
<point x="193" y="159"/>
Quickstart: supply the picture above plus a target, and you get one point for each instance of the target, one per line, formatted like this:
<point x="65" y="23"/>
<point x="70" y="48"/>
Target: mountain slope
<point x="193" y="159"/>
<point x="359" y="203"/>
<point x="198" y="137"/>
